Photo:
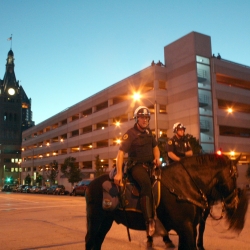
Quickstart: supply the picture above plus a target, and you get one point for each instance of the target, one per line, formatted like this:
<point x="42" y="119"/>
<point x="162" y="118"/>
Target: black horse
<point x="187" y="189"/>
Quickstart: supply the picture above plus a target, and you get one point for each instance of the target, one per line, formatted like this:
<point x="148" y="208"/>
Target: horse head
<point x="234" y="200"/>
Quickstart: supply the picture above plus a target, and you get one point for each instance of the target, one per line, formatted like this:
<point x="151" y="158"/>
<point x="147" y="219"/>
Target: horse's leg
<point x="187" y="237"/>
<point x="105" y="227"/>
<point x="149" y="241"/>
<point x="98" y="224"/>
<point x="201" y="229"/>
<point x="97" y="229"/>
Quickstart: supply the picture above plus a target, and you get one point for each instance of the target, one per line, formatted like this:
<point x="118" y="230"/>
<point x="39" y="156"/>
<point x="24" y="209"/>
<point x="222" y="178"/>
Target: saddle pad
<point x="110" y="199"/>
<point x="132" y="198"/>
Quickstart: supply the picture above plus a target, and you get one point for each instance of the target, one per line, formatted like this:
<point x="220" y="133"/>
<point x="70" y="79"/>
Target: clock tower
<point x="14" y="118"/>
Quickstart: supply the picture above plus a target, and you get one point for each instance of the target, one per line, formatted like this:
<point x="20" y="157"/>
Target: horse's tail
<point x="236" y="218"/>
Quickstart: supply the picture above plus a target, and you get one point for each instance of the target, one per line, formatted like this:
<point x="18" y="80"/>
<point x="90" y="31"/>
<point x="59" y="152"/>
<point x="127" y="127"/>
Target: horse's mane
<point x="192" y="174"/>
<point x="201" y="161"/>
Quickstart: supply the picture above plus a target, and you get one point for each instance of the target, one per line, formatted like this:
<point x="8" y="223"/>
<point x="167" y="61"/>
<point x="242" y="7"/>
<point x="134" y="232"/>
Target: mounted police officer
<point x="143" y="154"/>
<point x="178" y="146"/>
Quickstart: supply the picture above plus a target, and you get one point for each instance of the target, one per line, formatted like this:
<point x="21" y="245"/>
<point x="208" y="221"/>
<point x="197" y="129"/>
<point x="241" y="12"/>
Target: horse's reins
<point x="203" y="196"/>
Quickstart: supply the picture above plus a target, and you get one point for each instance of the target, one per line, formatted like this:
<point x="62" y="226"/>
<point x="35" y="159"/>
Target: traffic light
<point x="8" y="179"/>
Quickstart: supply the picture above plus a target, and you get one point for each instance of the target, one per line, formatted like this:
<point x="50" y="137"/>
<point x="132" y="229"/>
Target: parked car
<point x="60" y="189"/>
<point x="26" y="189"/>
<point x="80" y="188"/>
<point x="20" y="188"/>
<point x="43" y="190"/>
<point x="35" y="189"/>
<point x="52" y="189"/>
<point x="8" y="188"/>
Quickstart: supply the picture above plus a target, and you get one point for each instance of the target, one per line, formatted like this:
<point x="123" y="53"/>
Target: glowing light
<point x="118" y="141"/>
<point x="117" y="124"/>
<point x="136" y="96"/>
<point x="102" y="127"/>
<point x="219" y="152"/>
<point x="61" y="140"/>
<point x="230" y="110"/>
<point x="232" y="153"/>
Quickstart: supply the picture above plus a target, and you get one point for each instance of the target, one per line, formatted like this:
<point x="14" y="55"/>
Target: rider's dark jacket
<point x="178" y="146"/>
<point x="139" y="145"/>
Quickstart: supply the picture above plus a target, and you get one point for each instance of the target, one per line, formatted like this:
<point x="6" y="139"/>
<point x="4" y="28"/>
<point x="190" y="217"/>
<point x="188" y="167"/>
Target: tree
<point x="39" y="179"/>
<point x="28" y="179"/>
<point x="53" y="171"/>
<point x="71" y="171"/>
<point x="100" y="168"/>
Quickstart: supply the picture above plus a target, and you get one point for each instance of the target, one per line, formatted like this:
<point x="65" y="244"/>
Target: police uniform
<point x="139" y="146"/>
<point x="178" y="146"/>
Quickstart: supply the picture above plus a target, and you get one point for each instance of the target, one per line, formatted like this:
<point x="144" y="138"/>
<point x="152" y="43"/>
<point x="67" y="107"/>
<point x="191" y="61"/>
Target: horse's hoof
<point x="169" y="245"/>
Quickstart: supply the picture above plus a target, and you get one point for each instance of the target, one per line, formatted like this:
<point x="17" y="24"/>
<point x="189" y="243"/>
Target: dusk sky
<point x="67" y="50"/>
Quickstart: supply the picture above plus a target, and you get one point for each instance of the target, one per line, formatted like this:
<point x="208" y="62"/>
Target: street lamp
<point x="137" y="97"/>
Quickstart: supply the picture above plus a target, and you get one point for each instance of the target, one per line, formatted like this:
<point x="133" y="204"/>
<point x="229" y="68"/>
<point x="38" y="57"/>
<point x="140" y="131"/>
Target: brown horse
<point x="187" y="189"/>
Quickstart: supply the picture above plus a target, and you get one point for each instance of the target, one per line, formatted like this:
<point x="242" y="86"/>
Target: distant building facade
<point x="15" y="117"/>
<point x="192" y="86"/>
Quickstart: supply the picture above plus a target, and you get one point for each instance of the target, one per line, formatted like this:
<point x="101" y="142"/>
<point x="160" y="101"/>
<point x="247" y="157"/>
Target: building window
<point x="102" y="144"/>
<point x="87" y="112"/>
<point x="162" y="109"/>
<point x="162" y="85"/>
<point x="87" y="165"/>
<point x="75" y="133"/>
<point x="101" y="106"/>
<point x="234" y="131"/>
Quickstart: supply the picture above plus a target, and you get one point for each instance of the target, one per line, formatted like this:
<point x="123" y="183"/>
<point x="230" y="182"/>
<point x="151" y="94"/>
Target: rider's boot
<point x="147" y="210"/>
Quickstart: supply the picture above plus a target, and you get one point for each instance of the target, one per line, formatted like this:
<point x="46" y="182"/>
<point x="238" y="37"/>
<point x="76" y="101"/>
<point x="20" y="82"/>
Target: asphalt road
<point x="33" y="221"/>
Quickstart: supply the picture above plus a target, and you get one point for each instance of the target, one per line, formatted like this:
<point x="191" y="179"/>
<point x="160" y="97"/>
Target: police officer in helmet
<point x="143" y="153"/>
<point x="178" y="146"/>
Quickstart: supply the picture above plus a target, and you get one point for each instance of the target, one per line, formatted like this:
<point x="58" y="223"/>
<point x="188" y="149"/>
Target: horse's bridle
<point x="230" y="202"/>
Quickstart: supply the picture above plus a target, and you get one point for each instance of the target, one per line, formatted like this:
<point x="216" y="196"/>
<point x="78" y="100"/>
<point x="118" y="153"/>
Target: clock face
<point x="11" y="91"/>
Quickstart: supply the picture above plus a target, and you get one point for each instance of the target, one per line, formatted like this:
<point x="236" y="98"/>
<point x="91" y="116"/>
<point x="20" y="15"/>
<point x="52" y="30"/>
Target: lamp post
<point x="19" y="167"/>
<point x="156" y="121"/>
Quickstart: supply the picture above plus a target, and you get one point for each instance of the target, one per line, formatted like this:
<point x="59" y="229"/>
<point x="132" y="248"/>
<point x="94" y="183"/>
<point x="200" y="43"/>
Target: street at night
<point x="36" y="221"/>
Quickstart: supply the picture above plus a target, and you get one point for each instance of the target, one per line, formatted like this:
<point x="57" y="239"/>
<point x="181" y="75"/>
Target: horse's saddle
<point x="126" y="197"/>
<point x="131" y="196"/>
